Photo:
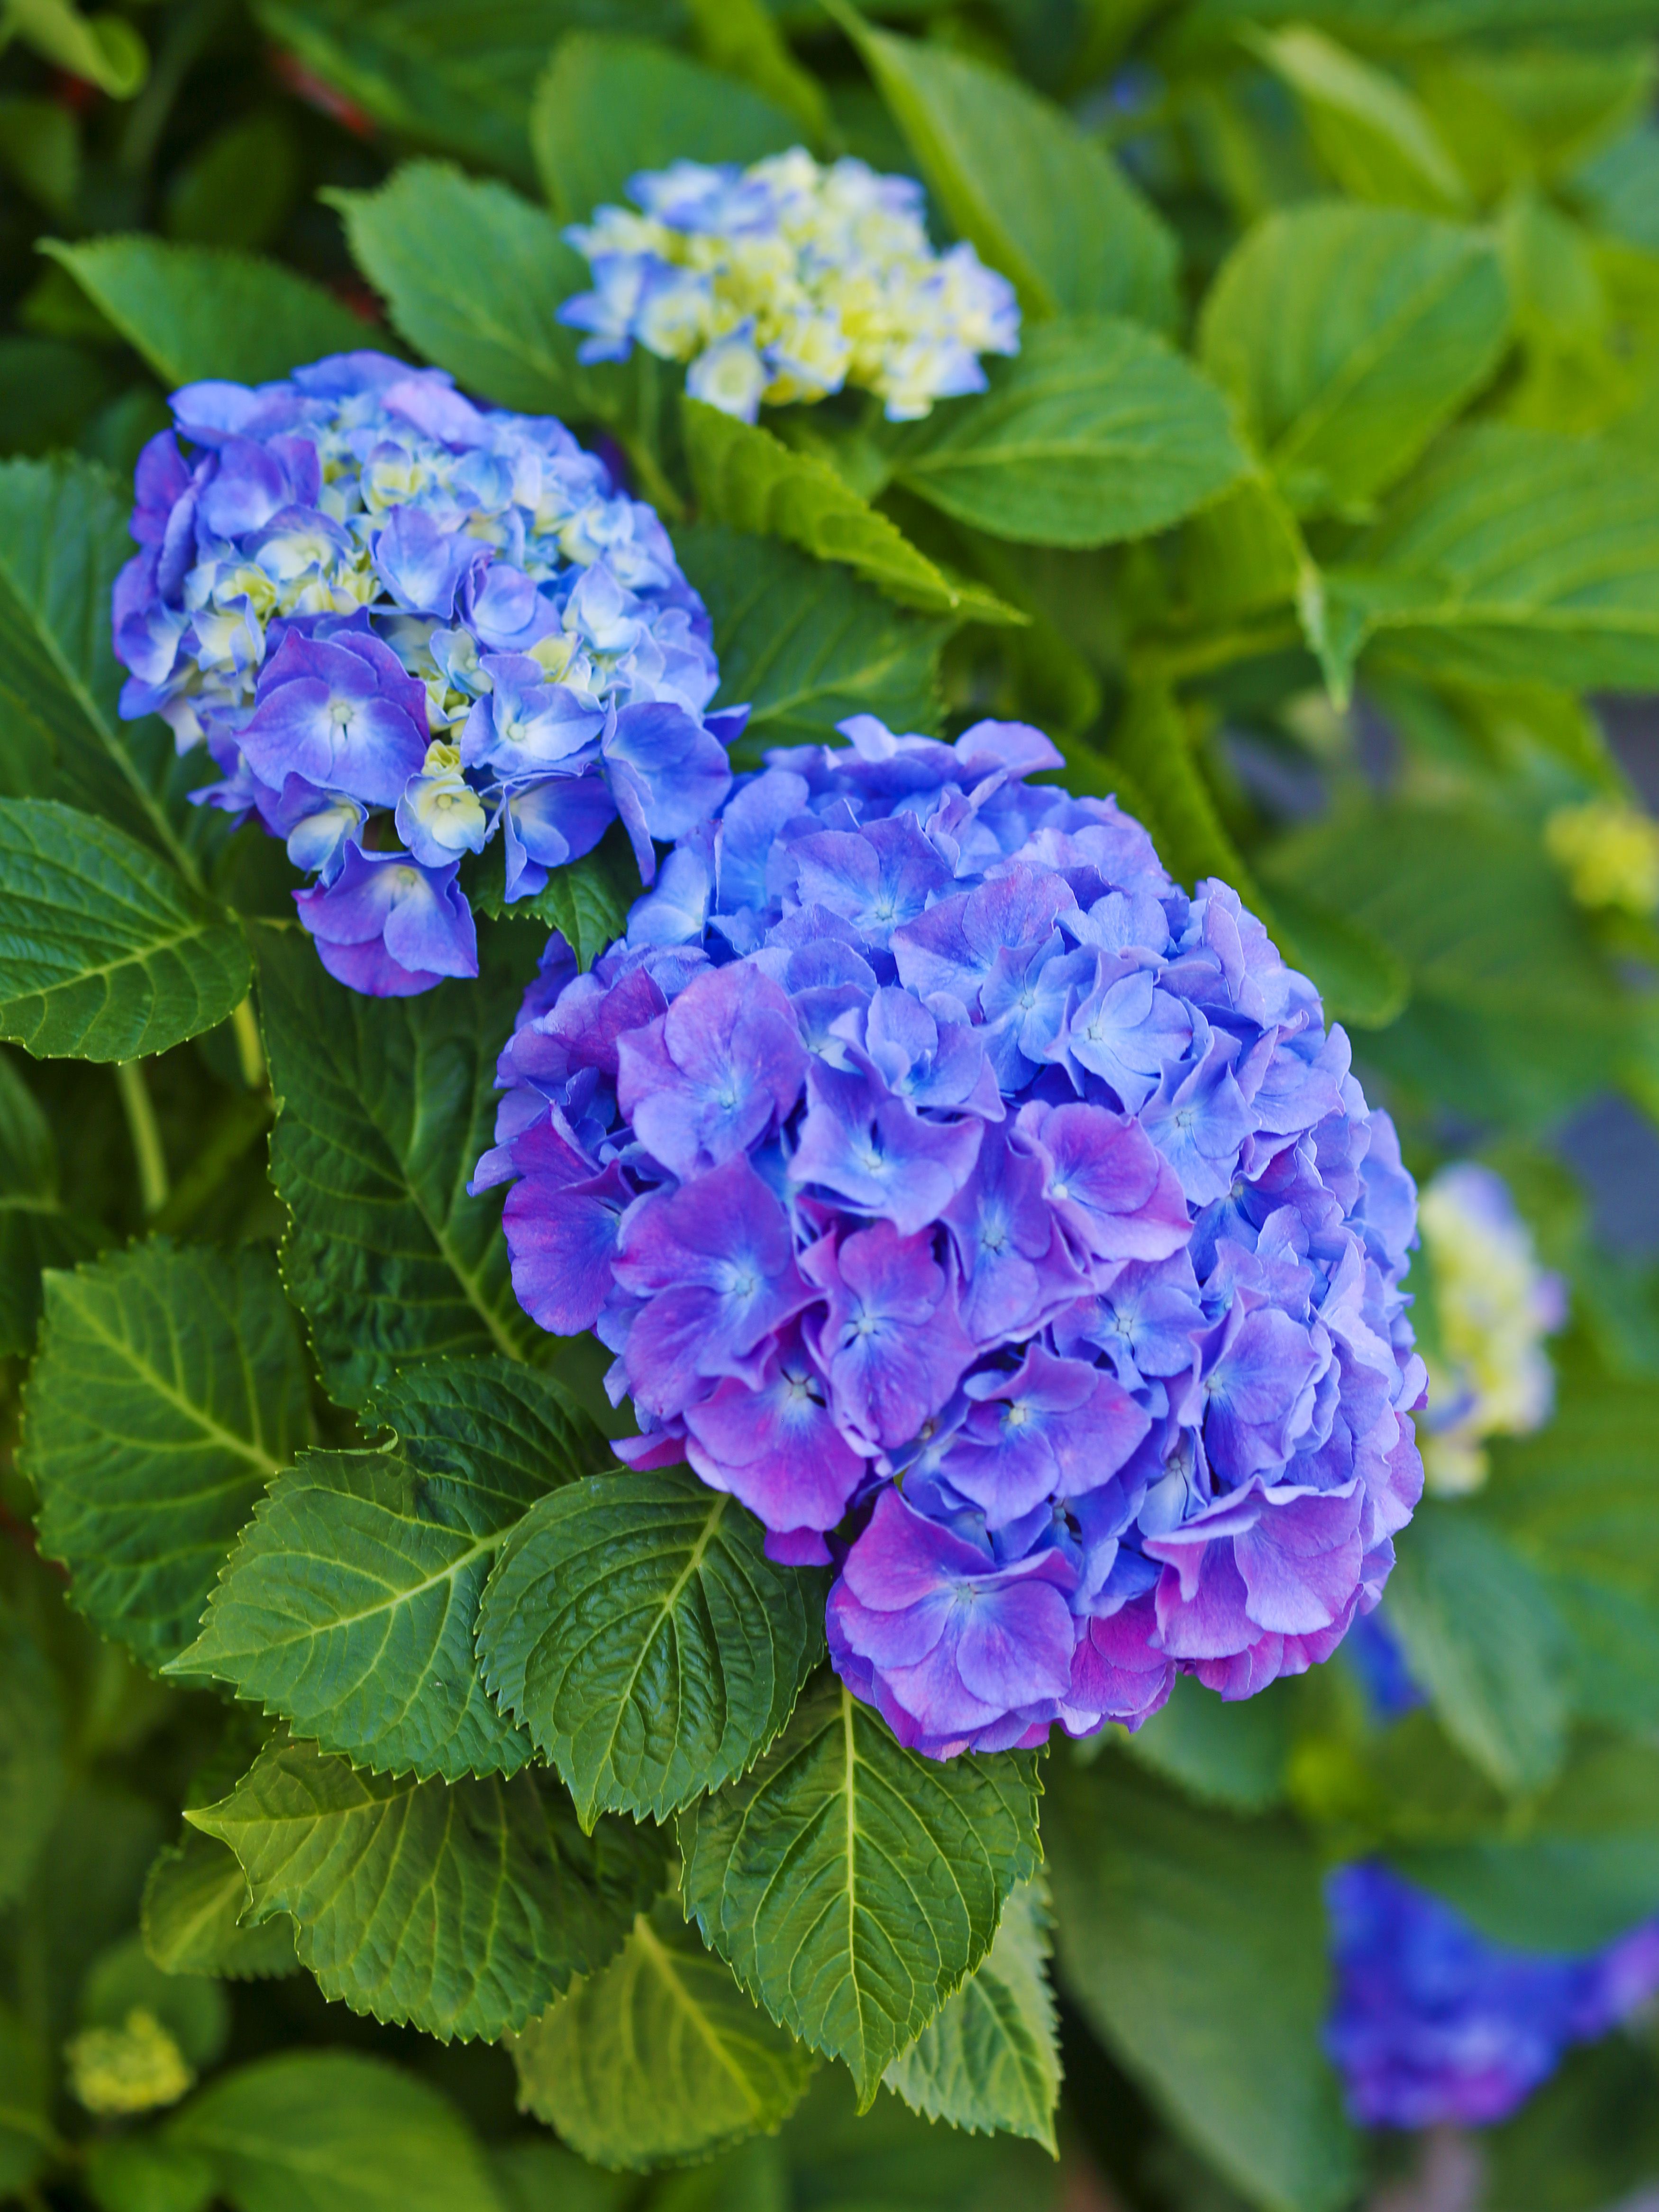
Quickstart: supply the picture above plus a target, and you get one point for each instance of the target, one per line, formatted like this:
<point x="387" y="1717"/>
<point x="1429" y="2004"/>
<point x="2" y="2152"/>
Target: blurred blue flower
<point x="1434" y="2022"/>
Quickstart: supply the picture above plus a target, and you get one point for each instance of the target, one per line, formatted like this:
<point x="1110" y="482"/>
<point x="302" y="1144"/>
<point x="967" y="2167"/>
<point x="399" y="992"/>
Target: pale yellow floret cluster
<point x="134" y="2067"/>
<point x="1609" y="853"/>
<point x="1489" y="1375"/>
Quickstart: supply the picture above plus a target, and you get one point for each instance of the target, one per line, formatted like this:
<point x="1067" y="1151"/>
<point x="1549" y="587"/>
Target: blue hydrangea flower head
<point x="404" y="626"/>
<point x="998" y="1222"/>
<point x="1434" y="2023"/>
<point x="787" y="281"/>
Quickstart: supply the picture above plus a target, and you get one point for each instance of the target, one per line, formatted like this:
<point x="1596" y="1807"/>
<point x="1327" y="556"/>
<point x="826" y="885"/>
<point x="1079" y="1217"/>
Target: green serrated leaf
<point x="1208" y="1985"/>
<point x="384" y="1106"/>
<point x="747" y="477"/>
<point x="195" y="1899"/>
<point x="1053" y="211"/>
<point x="660" y="2057"/>
<point x="659" y="106"/>
<point x="333" y="2131"/>
<point x="349" y="1606"/>
<point x="586" y="901"/>
<point x="1512" y="556"/>
<point x="473" y="276"/>
<point x="460" y="1909"/>
<point x="634" y="1625"/>
<point x="1097" y="431"/>
<point x="1349" y="336"/>
<point x="805" y="646"/>
<point x="205" y="310"/>
<point x="104" y="953"/>
<point x="1484" y="1639"/>
<point x="63" y="539"/>
<point x="990" y="2061"/>
<point x="851" y="1885"/>
<point x="169" y="1388"/>
<point x="37" y="1229"/>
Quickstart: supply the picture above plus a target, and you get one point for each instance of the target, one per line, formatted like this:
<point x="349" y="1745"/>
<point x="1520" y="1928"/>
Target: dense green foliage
<point x="370" y="1742"/>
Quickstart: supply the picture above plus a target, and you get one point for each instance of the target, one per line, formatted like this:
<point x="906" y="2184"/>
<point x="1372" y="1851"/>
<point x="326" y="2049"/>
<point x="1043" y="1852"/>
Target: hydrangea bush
<point x="945" y="1177"/>
<point x="402" y="625"/>
<point x="714" y="1400"/>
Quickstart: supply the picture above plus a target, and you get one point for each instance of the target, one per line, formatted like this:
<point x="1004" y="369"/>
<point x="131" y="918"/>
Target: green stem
<point x="249" y="1047"/>
<point x="146" y="1134"/>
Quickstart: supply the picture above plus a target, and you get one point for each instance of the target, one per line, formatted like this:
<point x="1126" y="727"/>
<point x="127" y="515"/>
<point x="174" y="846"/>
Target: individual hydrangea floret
<point x="1494" y="1305"/>
<point x="1433" y="2023"/>
<point x="402" y="626"/>
<point x="787" y="281"/>
<point x="994" y="1221"/>
<point x="1609" y="853"/>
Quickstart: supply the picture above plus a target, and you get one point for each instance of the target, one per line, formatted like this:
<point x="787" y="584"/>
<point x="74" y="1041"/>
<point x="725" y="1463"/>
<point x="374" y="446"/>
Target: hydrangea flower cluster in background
<point x="403" y="624"/>
<point x="992" y="1220"/>
<point x="1489" y="1374"/>
<point x="785" y="281"/>
<point x="1608" y="853"/>
<point x="1433" y="2023"/>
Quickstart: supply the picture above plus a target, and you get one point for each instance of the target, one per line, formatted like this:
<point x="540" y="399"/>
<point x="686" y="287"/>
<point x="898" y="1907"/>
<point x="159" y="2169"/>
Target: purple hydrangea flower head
<point x="1001" y="1225"/>
<point x="404" y="626"/>
<point x="1434" y="2022"/>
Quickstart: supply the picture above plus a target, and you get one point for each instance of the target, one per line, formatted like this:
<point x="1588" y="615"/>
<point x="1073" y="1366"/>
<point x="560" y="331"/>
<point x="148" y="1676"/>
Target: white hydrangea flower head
<point x="1490" y="1375"/>
<point x="787" y="282"/>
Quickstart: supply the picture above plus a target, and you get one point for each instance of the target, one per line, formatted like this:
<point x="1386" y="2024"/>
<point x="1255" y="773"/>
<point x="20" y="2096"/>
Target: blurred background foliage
<point x="1380" y="773"/>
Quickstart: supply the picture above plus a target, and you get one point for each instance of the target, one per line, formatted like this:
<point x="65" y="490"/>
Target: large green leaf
<point x="349" y="1606"/>
<point x="804" y="647"/>
<point x="990" y="2061"/>
<point x="1052" y="211"/>
<point x="334" y="2131"/>
<point x="1513" y="555"/>
<point x="746" y="476"/>
<point x="1568" y="1871"/>
<point x="609" y="106"/>
<point x="1484" y="1639"/>
<point x="1196" y="1945"/>
<point x="194" y="1901"/>
<point x="1225" y="1754"/>
<point x="586" y="901"/>
<point x="660" y="2057"/>
<point x="104" y="954"/>
<point x="473" y="276"/>
<point x="37" y="1229"/>
<point x="634" y="1625"/>
<point x="62" y="540"/>
<point x="853" y="1886"/>
<point x="462" y="1909"/>
<point x="204" y="311"/>
<point x="1373" y="136"/>
<point x="1349" y="336"/>
<point x="169" y="1388"/>
<point x="1095" y="432"/>
<point x="1578" y="1499"/>
<point x="384" y="1106"/>
<point x="460" y="80"/>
